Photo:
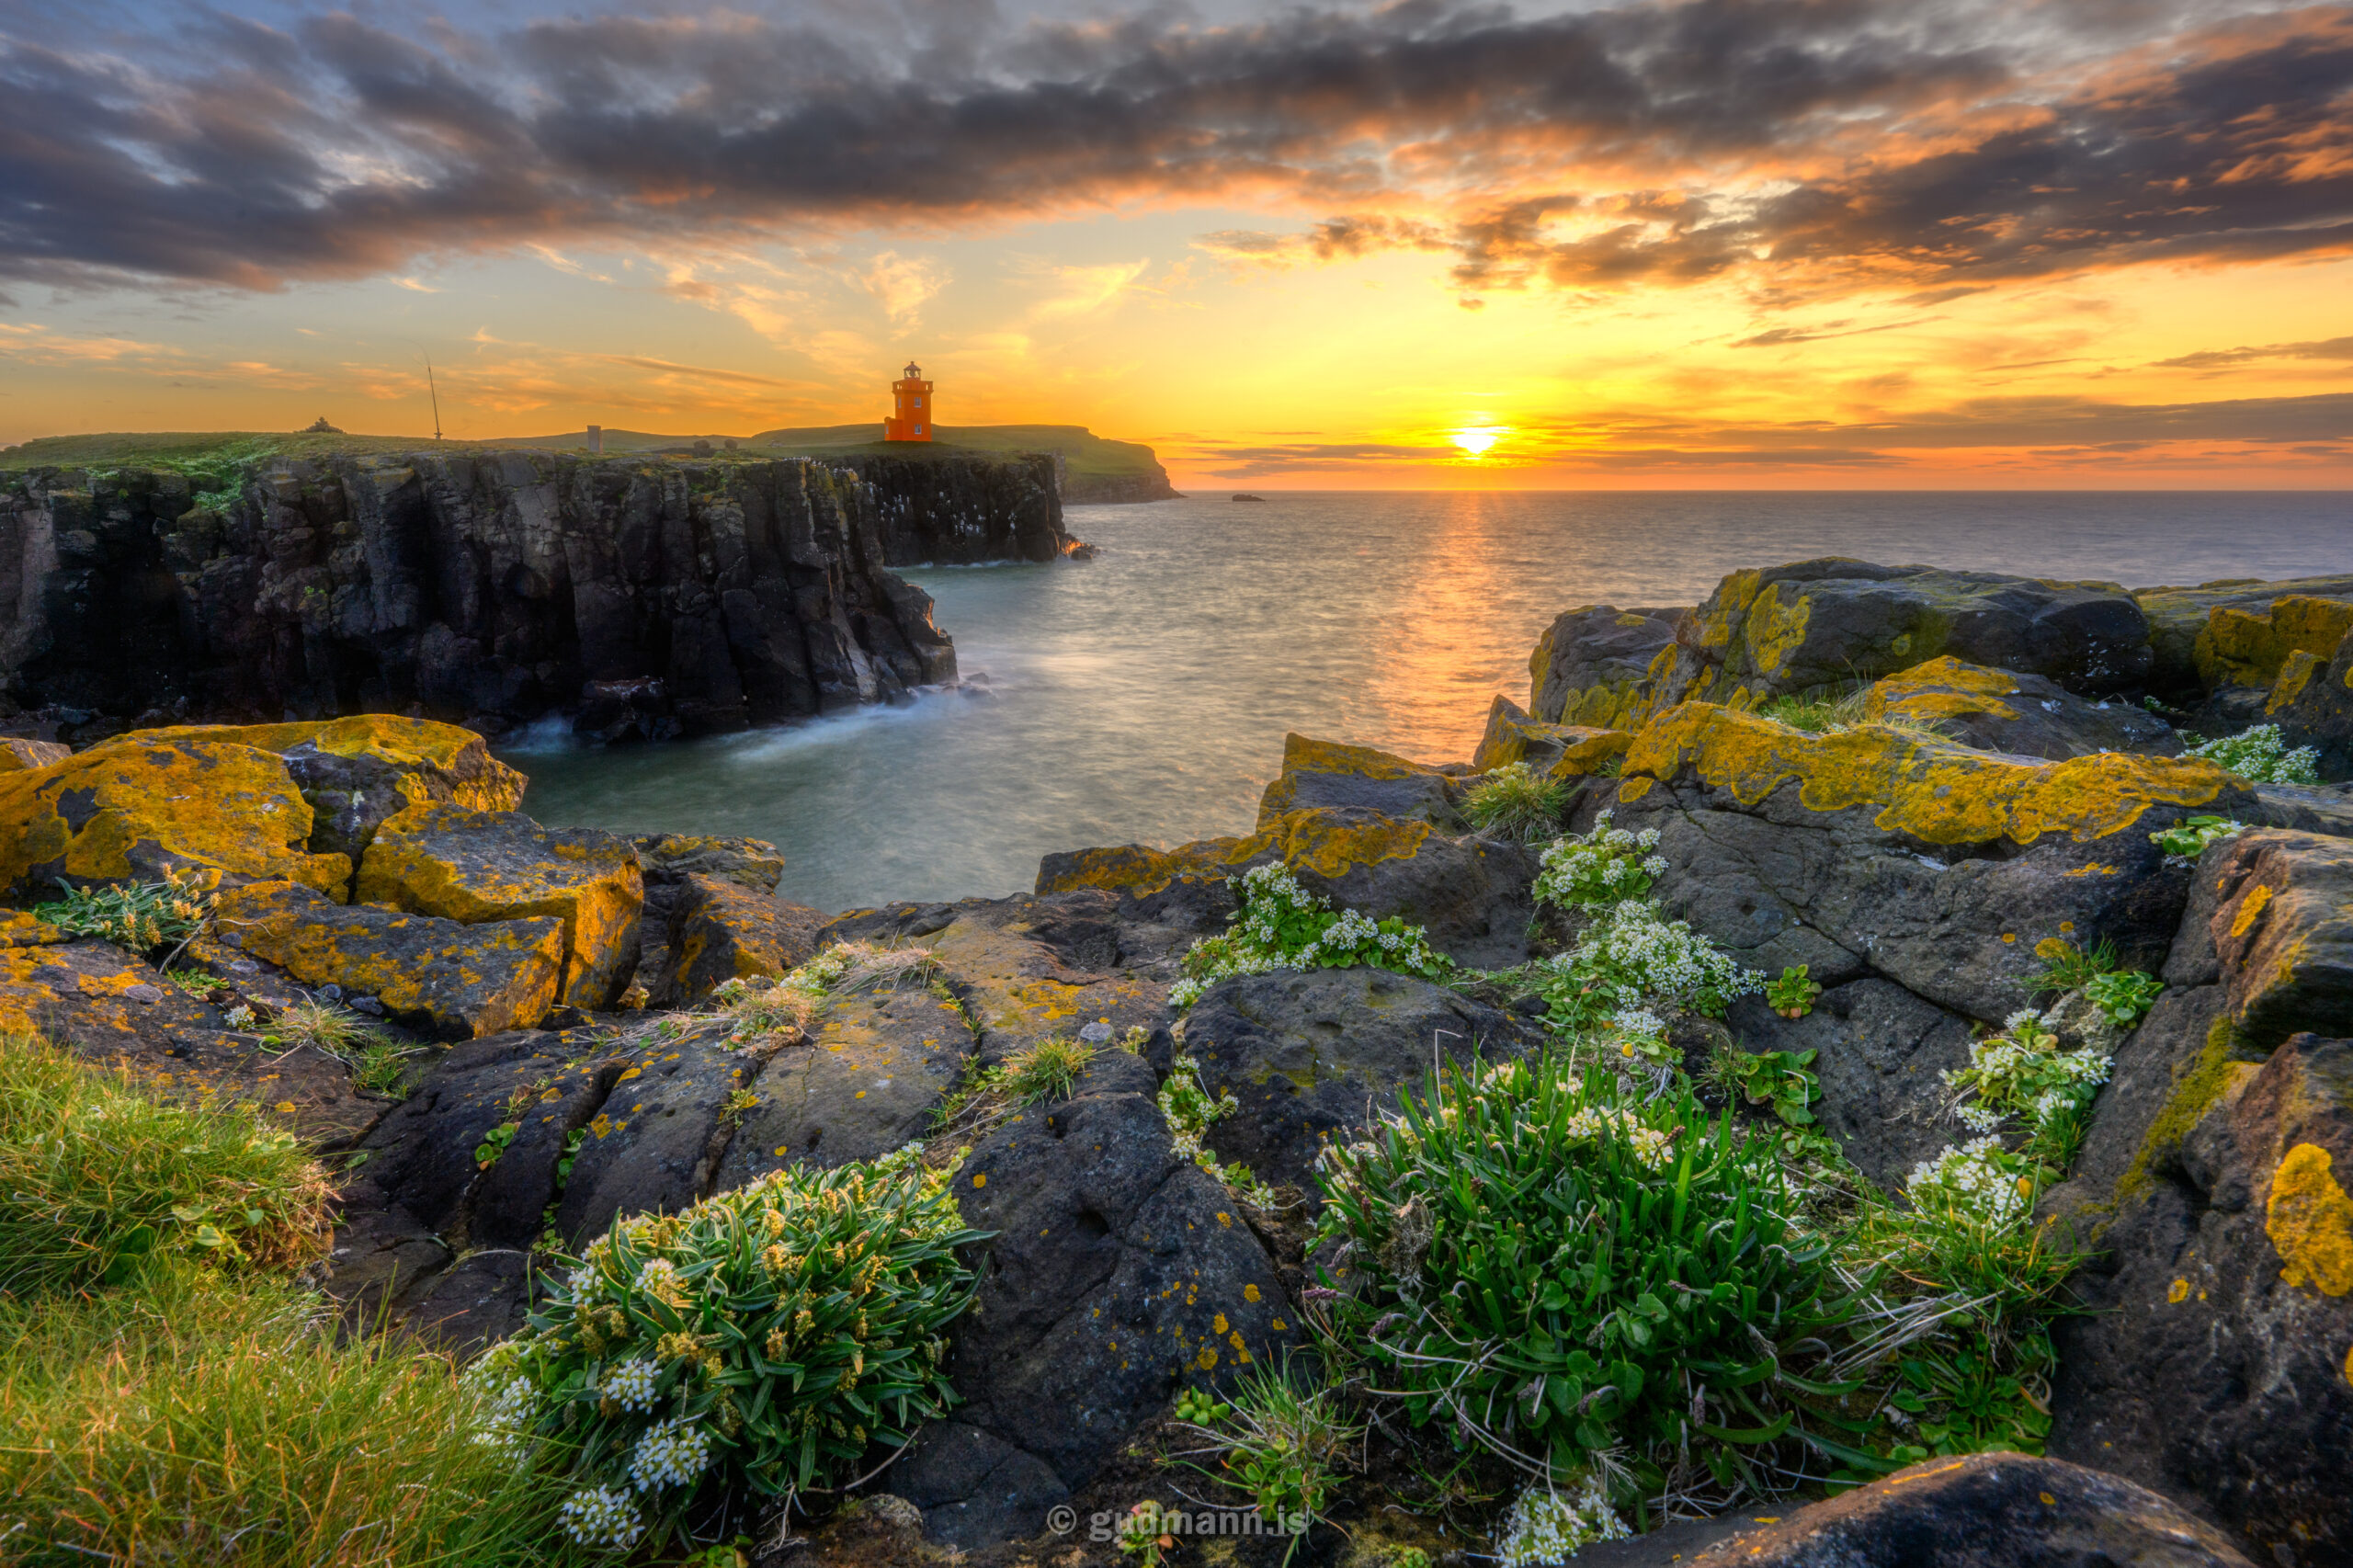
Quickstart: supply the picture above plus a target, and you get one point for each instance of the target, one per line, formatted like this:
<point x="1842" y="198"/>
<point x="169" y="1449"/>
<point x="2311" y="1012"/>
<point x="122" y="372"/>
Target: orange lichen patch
<point x="1943" y="687"/>
<point x="2310" y="1221"/>
<point x="2295" y="674"/>
<point x="2245" y="648"/>
<point x="1019" y="992"/>
<point x="2251" y="906"/>
<point x="1774" y="630"/>
<point x="17" y="755"/>
<point x="129" y="810"/>
<point x="21" y="928"/>
<point x="1332" y="843"/>
<point x="456" y="981"/>
<point x="1590" y="749"/>
<point x="1936" y="792"/>
<point x="453" y="764"/>
<point x="1305" y="755"/>
<point x="1142" y="870"/>
<point x="1320" y="839"/>
<point x="475" y="866"/>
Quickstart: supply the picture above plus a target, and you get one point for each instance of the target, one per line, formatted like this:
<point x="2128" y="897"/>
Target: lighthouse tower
<point x="910" y="407"/>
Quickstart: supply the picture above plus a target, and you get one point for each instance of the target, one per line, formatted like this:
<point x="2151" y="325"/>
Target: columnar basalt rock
<point x="490" y="587"/>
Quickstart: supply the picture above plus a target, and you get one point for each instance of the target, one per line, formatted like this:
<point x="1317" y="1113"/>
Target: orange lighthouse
<point x="910" y="407"/>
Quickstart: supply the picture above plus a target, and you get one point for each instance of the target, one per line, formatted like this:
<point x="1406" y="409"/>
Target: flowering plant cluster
<point x="1190" y="1110"/>
<point x="1634" y="957"/>
<point x="145" y="917"/>
<point x="1282" y="926"/>
<point x="1548" y="1523"/>
<point x="1981" y="1181"/>
<point x="2022" y="1073"/>
<point x="1606" y="866"/>
<point x="2260" y="755"/>
<point x="766" y="1337"/>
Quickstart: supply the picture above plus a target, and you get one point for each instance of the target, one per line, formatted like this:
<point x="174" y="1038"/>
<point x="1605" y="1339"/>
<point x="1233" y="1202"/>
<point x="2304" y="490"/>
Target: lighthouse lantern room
<point x="910" y="407"/>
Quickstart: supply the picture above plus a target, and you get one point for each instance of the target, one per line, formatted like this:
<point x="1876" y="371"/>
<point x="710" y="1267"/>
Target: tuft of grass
<point x="986" y="1096"/>
<point x="379" y="1063"/>
<point x="206" y="1421"/>
<point x="1515" y="802"/>
<point x="2066" y="967"/>
<point x="1284" y="1440"/>
<point x="97" y="1179"/>
<point x="1048" y="1070"/>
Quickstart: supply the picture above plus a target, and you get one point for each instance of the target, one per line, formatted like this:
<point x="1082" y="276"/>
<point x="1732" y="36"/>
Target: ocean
<point x="1143" y="697"/>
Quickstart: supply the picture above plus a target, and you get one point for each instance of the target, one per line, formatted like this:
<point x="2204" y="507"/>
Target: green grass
<point x="1515" y="802"/>
<point x="205" y="1420"/>
<point x="96" y="1179"/>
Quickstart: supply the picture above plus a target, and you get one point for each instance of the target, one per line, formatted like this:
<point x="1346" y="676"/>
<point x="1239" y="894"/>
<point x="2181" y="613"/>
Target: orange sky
<point x="1727" y="243"/>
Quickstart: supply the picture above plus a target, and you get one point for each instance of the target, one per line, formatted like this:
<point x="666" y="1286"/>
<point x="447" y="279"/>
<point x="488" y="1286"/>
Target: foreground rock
<point x="1119" y="1273"/>
<point x="2022" y="714"/>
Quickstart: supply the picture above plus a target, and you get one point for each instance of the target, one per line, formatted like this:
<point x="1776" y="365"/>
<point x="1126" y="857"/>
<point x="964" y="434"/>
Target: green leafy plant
<point x="1198" y="1407"/>
<point x="493" y="1143"/>
<point x="1284" y="1440"/>
<point x="1633" y="956"/>
<point x="1515" y="802"/>
<point x="1792" y="995"/>
<point x="2123" y="995"/>
<point x="1282" y="926"/>
<point x="2260" y="755"/>
<point x="2067" y="966"/>
<point x="1777" y="1079"/>
<point x="1559" y="1270"/>
<point x="760" y="1342"/>
<point x="2022" y="1074"/>
<point x="2188" y="839"/>
<point x="380" y="1066"/>
<point x="1605" y="866"/>
<point x="97" y="1179"/>
<point x="196" y="983"/>
<point x="1189" y="1110"/>
<point x="1143" y="1536"/>
<point x="145" y="917"/>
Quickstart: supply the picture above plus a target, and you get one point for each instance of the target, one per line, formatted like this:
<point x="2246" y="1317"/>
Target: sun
<point x="1475" y="439"/>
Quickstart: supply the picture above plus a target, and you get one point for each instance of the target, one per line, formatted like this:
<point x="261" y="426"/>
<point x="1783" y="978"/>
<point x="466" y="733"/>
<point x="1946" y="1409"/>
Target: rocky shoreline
<point x="1913" y="795"/>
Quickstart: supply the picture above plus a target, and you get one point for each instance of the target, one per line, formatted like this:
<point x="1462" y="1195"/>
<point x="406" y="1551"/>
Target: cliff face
<point x="954" y="510"/>
<point x="652" y="597"/>
<point x="1081" y="488"/>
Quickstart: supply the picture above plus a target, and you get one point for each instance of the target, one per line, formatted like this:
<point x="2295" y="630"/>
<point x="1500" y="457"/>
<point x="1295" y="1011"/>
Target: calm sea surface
<point x="1143" y="697"/>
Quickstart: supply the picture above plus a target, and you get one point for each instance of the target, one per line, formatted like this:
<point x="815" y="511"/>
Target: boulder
<point x="1561" y="751"/>
<point x="1938" y="867"/>
<point x="2024" y="715"/>
<point x="2312" y="701"/>
<point x="1472" y="893"/>
<point x="443" y="977"/>
<point x="1878" y="1052"/>
<point x="1329" y="773"/>
<point x="1023" y="968"/>
<point x="1602" y="667"/>
<point x="474" y="865"/>
<point x="1315" y="1055"/>
<point x="2282" y="931"/>
<point x="866" y="1083"/>
<point x="1997" y="1510"/>
<point x="1117" y="1272"/>
<point x="2180" y="620"/>
<point x="721" y="930"/>
<point x="18" y="755"/>
<point x="108" y="1006"/>
<point x="133" y="810"/>
<point x="668" y="860"/>
<point x="655" y="1143"/>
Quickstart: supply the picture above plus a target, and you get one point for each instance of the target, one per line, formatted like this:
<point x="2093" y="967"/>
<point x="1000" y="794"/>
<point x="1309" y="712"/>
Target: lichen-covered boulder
<point x="22" y="928"/>
<point x="1118" y="1273"/>
<point x="443" y="977"/>
<point x="474" y="865"/>
<point x="2025" y="715"/>
<point x="1472" y="893"/>
<point x="1330" y="773"/>
<point x="2312" y="701"/>
<point x="2182" y="620"/>
<point x="1561" y="751"/>
<point x="358" y="770"/>
<point x="131" y="810"/>
<point x="1874" y="852"/>
<point x="1601" y="667"/>
<point x="1996" y="1510"/>
<point x="2282" y="931"/>
<point x="1310" y="1056"/>
<point x="19" y="754"/>
<point x="721" y="930"/>
<point x="655" y="1143"/>
<point x="866" y="1082"/>
<point x="669" y="860"/>
<point x="108" y="1006"/>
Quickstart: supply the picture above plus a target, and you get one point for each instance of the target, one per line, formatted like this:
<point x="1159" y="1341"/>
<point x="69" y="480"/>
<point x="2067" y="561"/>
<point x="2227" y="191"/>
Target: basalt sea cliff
<point x="1790" y="882"/>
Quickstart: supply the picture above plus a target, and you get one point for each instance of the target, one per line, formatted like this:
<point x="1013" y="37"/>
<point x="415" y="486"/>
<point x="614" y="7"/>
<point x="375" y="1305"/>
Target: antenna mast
<point x="435" y="392"/>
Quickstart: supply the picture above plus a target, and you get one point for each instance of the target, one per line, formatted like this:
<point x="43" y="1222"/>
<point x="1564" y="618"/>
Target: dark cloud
<point x="1810" y="139"/>
<point x="1778" y="337"/>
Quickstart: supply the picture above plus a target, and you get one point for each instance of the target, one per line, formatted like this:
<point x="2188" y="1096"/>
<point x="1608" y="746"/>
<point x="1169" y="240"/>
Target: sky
<point x="1808" y="244"/>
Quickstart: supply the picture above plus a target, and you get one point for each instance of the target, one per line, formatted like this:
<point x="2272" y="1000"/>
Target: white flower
<point x="1979" y="1176"/>
<point x="1547" y="1526"/>
<point x="602" y="1517"/>
<point x="672" y="1453"/>
<point x="2021" y="1019"/>
<point x="239" y="1017"/>
<point x="630" y="1384"/>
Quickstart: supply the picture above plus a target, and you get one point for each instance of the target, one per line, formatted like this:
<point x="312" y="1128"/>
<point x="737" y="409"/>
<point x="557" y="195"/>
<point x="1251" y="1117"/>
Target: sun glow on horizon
<point x="1476" y="440"/>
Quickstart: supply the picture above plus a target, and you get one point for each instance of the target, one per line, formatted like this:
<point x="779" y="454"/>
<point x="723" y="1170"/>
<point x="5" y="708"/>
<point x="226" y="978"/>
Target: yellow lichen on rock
<point x="129" y="809"/>
<point x="2241" y="647"/>
<point x="1773" y="629"/>
<point x="1942" y="688"/>
<point x="2295" y="674"/>
<point x="1305" y="757"/>
<point x="475" y="866"/>
<point x="1936" y="792"/>
<point x="2310" y="1221"/>
<point x="1331" y="844"/>
<point x="18" y="755"/>
<point x="452" y="764"/>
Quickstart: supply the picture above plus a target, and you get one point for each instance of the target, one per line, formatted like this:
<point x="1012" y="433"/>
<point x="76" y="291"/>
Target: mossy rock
<point x="1333" y="773"/>
<point x="443" y="977"/>
<point x="1602" y="667"/>
<point x="867" y="1082"/>
<point x="2282" y="928"/>
<point x="2179" y="618"/>
<point x="474" y="867"/>
<point x="1560" y="751"/>
<point x="134" y="808"/>
<point x="2025" y="715"/>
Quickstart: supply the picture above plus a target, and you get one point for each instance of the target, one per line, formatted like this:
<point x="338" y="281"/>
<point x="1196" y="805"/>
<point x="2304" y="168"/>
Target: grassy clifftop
<point x="1096" y="469"/>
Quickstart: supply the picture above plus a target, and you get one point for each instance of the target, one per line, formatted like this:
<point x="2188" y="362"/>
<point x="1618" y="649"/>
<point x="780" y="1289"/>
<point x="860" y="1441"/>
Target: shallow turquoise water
<point x="1143" y="697"/>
